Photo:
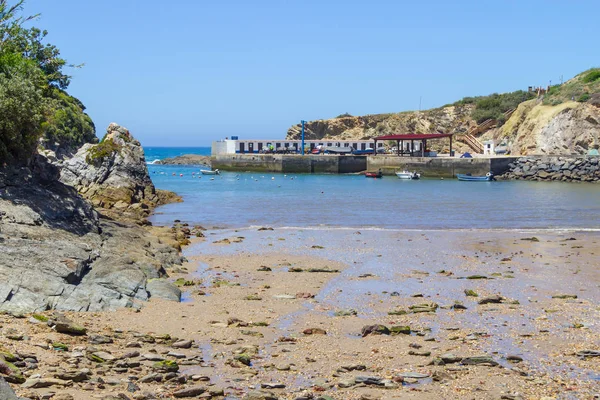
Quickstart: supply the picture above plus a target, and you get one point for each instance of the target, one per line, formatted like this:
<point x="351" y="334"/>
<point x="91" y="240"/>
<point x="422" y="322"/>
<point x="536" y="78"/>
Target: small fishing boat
<point x="209" y="172"/>
<point x="470" y="178"/>
<point x="377" y="174"/>
<point x="408" y="175"/>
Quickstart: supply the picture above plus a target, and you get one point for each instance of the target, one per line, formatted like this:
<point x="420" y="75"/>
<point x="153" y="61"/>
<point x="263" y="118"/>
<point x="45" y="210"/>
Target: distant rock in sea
<point x="186" y="159"/>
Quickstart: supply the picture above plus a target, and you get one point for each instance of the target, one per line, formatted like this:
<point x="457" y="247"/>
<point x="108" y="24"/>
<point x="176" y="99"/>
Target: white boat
<point x="209" y="172"/>
<point x="407" y="175"/>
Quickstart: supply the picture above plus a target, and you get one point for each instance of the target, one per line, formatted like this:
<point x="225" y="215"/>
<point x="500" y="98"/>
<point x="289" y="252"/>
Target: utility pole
<point x="303" y="122"/>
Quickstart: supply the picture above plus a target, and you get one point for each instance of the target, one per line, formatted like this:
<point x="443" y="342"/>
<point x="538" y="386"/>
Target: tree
<point x="14" y="38"/>
<point x="33" y="103"/>
<point x="22" y="109"/>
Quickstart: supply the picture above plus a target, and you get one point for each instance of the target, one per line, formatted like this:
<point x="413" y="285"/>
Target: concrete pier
<point x="290" y="163"/>
<point x="439" y="167"/>
<point x="429" y="167"/>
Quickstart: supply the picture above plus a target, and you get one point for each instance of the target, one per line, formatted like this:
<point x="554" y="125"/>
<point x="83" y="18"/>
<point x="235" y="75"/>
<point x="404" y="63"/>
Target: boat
<point x="470" y="178"/>
<point x="377" y="174"/>
<point x="209" y="172"/>
<point x="408" y="175"/>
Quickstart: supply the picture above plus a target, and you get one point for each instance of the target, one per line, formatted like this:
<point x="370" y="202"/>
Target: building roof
<point x="414" y="136"/>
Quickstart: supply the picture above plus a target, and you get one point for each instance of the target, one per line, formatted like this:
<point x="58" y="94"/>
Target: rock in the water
<point x="491" y="300"/>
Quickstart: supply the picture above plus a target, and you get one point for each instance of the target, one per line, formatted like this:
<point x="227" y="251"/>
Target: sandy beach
<point x="260" y="320"/>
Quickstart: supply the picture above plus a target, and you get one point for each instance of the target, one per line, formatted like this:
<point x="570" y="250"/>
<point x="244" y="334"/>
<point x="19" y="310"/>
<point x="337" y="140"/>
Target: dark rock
<point x="6" y="392"/>
<point x="375" y="330"/>
<point x="479" y="360"/>
<point x="491" y="300"/>
<point x="191" y="391"/>
<point x="183" y="344"/>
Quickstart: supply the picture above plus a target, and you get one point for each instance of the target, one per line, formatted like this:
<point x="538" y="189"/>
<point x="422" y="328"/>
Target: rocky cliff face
<point x="451" y="119"/>
<point x="58" y="252"/>
<point x="534" y="128"/>
<point x="564" y="129"/>
<point x="113" y="175"/>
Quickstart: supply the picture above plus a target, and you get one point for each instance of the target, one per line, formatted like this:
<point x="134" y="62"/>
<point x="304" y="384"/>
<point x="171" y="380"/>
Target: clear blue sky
<point x="187" y="72"/>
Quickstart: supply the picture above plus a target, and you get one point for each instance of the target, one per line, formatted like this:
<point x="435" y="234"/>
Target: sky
<point x="188" y="72"/>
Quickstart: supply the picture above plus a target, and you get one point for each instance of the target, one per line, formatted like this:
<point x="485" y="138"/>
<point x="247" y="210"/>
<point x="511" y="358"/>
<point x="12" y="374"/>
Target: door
<point x="251" y="147"/>
<point x="260" y="146"/>
<point x="242" y="147"/>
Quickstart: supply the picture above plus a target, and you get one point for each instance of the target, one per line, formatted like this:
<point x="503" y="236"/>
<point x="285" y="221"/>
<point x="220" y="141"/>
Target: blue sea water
<point x="238" y="200"/>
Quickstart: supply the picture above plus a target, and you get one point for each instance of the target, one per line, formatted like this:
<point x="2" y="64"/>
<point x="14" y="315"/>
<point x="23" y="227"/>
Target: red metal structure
<point x="422" y="137"/>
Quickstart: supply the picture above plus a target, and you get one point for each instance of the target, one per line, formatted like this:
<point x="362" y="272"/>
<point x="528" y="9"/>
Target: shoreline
<point x="267" y="316"/>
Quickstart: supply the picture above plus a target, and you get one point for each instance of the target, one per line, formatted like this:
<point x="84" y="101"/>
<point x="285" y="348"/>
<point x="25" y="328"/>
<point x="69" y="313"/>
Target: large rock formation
<point x="113" y="175"/>
<point x="565" y="120"/>
<point x="57" y="252"/>
<point x="450" y="119"/>
<point x="564" y="129"/>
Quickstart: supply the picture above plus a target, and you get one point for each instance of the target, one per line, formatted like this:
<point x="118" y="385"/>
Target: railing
<point x="472" y="142"/>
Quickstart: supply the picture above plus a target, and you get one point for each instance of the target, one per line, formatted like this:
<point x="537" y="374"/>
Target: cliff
<point x="58" y="252"/>
<point x="562" y="121"/>
<point x="453" y="118"/>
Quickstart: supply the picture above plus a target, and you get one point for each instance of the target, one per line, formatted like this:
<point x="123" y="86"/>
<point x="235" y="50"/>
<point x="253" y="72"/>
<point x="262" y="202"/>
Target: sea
<point x="249" y="199"/>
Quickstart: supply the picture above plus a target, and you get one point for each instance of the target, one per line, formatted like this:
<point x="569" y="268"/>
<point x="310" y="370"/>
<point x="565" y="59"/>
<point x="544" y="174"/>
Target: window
<point x="277" y="145"/>
<point x="329" y="144"/>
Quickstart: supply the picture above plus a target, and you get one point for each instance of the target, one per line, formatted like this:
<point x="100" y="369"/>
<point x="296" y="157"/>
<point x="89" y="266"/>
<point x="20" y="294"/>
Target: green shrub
<point x="344" y="115"/>
<point x="495" y="105"/>
<point x="99" y="152"/>
<point x="583" y="98"/>
<point x="592" y="76"/>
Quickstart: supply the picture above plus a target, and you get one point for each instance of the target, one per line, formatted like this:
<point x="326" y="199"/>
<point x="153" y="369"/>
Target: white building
<point x="237" y="146"/>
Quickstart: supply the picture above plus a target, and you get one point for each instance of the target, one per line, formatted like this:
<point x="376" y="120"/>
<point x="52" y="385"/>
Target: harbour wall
<point x="333" y="164"/>
<point x="434" y="167"/>
<point x="555" y="168"/>
<point x="290" y="163"/>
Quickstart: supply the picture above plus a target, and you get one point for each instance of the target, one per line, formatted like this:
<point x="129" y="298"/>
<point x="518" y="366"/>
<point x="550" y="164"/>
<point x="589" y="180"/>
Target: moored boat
<point x="470" y="178"/>
<point x="209" y="172"/>
<point x="377" y="174"/>
<point x="408" y="175"/>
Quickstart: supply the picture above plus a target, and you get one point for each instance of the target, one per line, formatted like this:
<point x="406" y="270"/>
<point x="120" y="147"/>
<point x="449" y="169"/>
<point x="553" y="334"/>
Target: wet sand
<point x="244" y="298"/>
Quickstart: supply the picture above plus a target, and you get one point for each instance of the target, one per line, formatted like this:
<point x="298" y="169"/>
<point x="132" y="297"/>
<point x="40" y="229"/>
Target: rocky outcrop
<point x="56" y="252"/>
<point x="570" y="128"/>
<point x="186" y="159"/>
<point x="450" y="119"/>
<point x="113" y="175"/>
<point x="563" y="169"/>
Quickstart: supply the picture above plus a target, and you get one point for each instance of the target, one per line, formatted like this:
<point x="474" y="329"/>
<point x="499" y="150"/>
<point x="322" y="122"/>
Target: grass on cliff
<point x="102" y="150"/>
<point x="581" y="88"/>
<point x="495" y="105"/>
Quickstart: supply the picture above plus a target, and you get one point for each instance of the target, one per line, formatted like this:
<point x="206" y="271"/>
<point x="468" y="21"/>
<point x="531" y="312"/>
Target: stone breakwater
<point x="555" y="168"/>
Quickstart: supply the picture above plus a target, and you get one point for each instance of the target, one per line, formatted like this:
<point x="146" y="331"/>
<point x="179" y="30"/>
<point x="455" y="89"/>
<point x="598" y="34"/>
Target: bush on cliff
<point x="67" y="125"/>
<point x="22" y="107"/>
<point x="495" y="105"/>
